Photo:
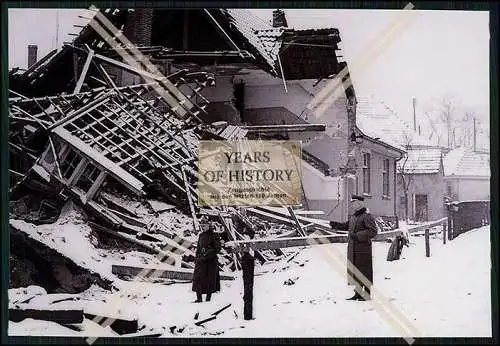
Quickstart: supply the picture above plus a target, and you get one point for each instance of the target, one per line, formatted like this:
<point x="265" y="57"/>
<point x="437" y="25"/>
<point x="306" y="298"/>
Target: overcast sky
<point x="439" y="53"/>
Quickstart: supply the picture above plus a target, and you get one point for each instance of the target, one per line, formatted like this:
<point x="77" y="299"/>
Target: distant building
<point x="420" y="173"/>
<point x="467" y="174"/>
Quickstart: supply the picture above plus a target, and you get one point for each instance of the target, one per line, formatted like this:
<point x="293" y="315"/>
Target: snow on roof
<point x="421" y="161"/>
<point x="263" y="36"/>
<point x="377" y="120"/>
<point x="467" y="162"/>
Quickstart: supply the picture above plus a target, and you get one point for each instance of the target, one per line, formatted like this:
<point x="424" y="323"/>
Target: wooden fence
<point x="465" y="216"/>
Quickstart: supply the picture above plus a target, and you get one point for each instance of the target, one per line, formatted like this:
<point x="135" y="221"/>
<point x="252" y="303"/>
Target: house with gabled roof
<point x="268" y="75"/>
<point x="467" y="174"/>
<point x="420" y="173"/>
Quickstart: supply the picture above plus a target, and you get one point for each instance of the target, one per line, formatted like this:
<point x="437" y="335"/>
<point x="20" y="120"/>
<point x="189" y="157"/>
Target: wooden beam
<point x="189" y="197"/>
<point x="85" y="109"/>
<point x="431" y="224"/>
<point x="167" y="257"/>
<point x="101" y="161"/>
<point x="164" y="273"/>
<point x="119" y="325"/>
<point x="85" y="69"/>
<point x="266" y="244"/>
<point x="95" y="186"/>
<point x="131" y="68"/>
<point x="59" y="316"/>
<point x="221" y="30"/>
<point x="279" y="211"/>
<point x="296" y="221"/>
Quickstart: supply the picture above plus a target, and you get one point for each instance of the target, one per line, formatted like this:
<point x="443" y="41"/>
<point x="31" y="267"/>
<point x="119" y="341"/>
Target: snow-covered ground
<point x="444" y="295"/>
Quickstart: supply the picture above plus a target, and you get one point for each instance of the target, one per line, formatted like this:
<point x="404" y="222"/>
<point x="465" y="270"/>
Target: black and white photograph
<point x="386" y="112"/>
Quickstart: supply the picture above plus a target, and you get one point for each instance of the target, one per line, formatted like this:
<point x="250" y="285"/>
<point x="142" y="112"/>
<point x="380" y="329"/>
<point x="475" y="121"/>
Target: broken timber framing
<point x="266" y="244"/>
<point x="163" y="273"/>
<point x="285" y="128"/>
<point x="59" y="316"/>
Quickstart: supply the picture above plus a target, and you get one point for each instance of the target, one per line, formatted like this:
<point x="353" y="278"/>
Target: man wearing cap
<point x="361" y="228"/>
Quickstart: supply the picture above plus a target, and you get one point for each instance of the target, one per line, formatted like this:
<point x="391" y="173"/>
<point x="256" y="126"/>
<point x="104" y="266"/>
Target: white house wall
<point x="324" y="193"/>
<point x="469" y="188"/>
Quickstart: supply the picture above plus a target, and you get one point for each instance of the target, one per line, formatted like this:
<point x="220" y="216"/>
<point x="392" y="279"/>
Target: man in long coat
<point x="206" y="277"/>
<point x="361" y="228"/>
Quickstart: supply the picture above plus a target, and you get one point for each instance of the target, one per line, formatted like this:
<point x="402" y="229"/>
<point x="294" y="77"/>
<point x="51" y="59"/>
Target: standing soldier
<point x="206" y="277"/>
<point x="248" y="267"/>
<point x="246" y="229"/>
<point x="361" y="228"/>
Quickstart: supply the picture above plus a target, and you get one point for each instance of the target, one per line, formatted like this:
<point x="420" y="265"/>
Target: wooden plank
<point x="159" y="207"/>
<point x="95" y="186"/>
<point x="296" y="221"/>
<point x="59" y="316"/>
<point x="281" y="212"/>
<point x="164" y="273"/>
<point x="199" y="323"/>
<point x="431" y="224"/>
<point x="84" y="110"/>
<point x="85" y="69"/>
<point x="130" y="68"/>
<point x="129" y="219"/>
<point x="226" y="131"/>
<point x="309" y="212"/>
<point x="117" y="206"/>
<point x="235" y="133"/>
<point x="270" y="216"/>
<point x="383" y="236"/>
<point x="242" y="133"/>
<point x="119" y="325"/>
<point x="285" y="128"/>
<point x="221" y="309"/>
<point x="196" y="224"/>
<point x="279" y="243"/>
<point x="166" y="257"/>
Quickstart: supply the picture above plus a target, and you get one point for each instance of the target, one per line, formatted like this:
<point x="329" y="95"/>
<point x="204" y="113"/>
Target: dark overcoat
<point x="206" y="277"/>
<point x="361" y="228"/>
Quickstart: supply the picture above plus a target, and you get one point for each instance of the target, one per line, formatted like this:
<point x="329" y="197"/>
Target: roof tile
<point x="377" y="120"/>
<point x="467" y="162"/>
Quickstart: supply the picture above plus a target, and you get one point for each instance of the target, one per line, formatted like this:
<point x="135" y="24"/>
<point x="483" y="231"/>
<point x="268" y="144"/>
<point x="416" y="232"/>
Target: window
<point x="366" y="173"/>
<point x="385" y="178"/>
<point x="69" y="164"/>
<point x="88" y="177"/>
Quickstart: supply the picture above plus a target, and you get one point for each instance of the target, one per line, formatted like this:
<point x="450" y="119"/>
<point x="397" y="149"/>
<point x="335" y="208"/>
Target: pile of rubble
<point x="127" y="155"/>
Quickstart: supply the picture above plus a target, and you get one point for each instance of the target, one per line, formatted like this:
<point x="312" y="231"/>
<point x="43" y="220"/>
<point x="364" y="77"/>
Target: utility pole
<point x="414" y="115"/>
<point x="57" y="29"/>
<point x="474" y="133"/>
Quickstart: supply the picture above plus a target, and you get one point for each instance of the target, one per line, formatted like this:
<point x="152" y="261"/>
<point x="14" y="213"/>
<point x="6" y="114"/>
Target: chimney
<point x="138" y="26"/>
<point x="279" y="19"/>
<point x="32" y="54"/>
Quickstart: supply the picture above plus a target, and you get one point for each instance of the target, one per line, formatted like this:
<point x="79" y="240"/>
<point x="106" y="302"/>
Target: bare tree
<point x="447" y="126"/>
<point x="447" y="110"/>
<point x="405" y="172"/>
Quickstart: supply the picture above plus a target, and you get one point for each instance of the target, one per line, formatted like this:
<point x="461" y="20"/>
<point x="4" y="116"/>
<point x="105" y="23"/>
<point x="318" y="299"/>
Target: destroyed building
<point x="100" y="122"/>
<point x="271" y="75"/>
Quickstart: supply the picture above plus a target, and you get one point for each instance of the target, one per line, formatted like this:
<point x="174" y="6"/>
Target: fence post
<point x="450" y="226"/>
<point x="427" y="245"/>
<point x="444" y="232"/>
